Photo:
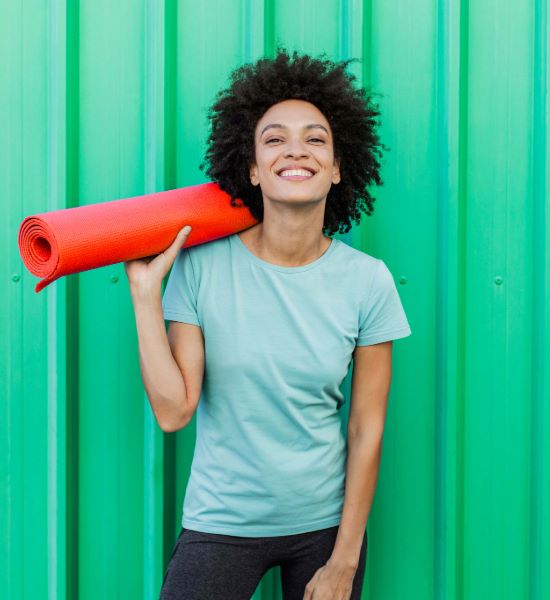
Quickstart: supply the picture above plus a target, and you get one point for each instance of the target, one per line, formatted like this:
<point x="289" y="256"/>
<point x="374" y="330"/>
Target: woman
<point x="263" y="326"/>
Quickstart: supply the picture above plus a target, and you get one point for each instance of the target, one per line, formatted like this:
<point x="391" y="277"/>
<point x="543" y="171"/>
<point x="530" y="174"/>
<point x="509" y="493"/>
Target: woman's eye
<point x="279" y="140"/>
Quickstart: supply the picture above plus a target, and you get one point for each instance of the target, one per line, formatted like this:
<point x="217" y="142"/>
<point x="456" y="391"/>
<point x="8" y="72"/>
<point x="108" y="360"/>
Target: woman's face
<point x="294" y="153"/>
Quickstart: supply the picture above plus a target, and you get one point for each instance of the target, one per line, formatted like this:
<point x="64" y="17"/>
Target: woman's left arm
<point x="370" y="387"/>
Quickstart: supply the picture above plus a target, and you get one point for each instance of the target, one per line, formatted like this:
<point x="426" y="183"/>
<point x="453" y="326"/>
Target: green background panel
<point x="104" y="100"/>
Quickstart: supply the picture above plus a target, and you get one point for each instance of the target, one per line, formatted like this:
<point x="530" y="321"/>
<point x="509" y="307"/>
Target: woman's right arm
<point x="172" y="366"/>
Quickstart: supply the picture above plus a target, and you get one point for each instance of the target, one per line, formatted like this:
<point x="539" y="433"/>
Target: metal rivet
<point x="15" y="277"/>
<point x="403" y="279"/>
<point x="114" y="278"/>
<point x="499" y="280"/>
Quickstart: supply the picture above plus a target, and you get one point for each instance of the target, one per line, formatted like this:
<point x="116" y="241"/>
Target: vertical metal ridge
<point x="246" y="30"/>
<point x="446" y="119"/>
<point x="13" y="347"/>
<point x="442" y="185"/>
<point x="165" y="450"/>
<point x="71" y="16"/>
<point x="72" y="45"/>
<point x="461" y="287"/>
<point x="367" y="44"/>
<point x="344" y="30"/>
<point x="539" y="528"/>
<point x="354" y="43"/>
<point x="154" y="105"/>
<point x="56" y="299"/>
<point x="159" y="106"/>
<point x="269" y="27"/>
<point x="170" y="57"/>
<point x="253" y="45"/>
<point x="355" y="37"/>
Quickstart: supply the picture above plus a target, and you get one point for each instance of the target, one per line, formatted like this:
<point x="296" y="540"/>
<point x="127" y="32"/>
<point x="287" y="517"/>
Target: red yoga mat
<point x="71" y="240"/>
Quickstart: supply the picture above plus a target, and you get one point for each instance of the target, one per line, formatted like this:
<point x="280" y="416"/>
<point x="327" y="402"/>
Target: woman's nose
<point x="296" y="148"/>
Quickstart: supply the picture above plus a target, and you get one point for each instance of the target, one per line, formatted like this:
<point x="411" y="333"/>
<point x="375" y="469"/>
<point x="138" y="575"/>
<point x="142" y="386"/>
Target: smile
<point x="296" y="174"/>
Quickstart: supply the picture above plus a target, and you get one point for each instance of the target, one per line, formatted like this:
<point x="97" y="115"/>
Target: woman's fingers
<point x="148" y="272"/>
<point x="172" y="251"/>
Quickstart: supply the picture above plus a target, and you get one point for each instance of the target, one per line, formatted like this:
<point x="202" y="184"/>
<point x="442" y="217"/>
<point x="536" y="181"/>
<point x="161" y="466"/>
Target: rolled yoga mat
<point x="71" y="240"/>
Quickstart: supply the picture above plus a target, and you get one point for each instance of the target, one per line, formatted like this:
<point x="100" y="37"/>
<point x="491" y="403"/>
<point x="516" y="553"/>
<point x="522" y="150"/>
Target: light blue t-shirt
<point x="270" y="451"/>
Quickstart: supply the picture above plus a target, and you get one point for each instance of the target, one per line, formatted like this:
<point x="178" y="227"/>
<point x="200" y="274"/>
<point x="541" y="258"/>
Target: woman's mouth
<point x="296" y="174"/>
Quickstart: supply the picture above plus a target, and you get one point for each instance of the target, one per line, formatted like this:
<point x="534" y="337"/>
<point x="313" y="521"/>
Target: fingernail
<point x="186" y="229"/>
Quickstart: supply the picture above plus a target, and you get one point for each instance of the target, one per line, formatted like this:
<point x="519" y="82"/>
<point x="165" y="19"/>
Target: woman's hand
<point x="146" y="274"/>
<point x="333" y="581"/>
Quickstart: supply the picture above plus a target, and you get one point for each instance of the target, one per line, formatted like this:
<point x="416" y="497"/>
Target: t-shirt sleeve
<point x="381" y="316"/>
<point x="179" y="301"/>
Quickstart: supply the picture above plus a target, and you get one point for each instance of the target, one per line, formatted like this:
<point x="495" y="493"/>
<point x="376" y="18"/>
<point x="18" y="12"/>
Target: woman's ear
<point x="254" y="175"/>
<point x="336" y="171"/>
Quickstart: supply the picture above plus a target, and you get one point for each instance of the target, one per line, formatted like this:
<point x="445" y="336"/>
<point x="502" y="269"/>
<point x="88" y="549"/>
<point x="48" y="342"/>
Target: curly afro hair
<point x="352" y="116"/>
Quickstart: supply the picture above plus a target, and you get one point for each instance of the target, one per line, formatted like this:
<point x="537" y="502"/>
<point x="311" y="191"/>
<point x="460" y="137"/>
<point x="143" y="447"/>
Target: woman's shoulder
<point x="207" y="249"/>
<point x="358" y="258"/>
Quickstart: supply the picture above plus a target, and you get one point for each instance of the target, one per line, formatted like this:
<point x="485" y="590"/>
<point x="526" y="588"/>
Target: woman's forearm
<point x="362" y="466"/>
<point x="162" y="378"/>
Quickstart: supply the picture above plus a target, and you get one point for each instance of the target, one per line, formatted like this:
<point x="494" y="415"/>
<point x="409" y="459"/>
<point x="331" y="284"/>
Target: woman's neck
<point x="286" y="249"/>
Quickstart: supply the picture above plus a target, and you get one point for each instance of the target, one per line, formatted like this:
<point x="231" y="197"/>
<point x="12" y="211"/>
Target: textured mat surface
<point x="72" y="240"/>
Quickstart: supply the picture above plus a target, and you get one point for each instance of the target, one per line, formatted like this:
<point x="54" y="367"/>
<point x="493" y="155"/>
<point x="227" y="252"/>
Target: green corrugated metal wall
<point x="101" y="100"/>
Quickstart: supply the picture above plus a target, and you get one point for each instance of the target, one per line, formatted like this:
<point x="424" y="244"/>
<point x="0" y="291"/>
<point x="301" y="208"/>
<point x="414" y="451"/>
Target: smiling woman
<point x="347" y="114"/>
<point x="297" y="147"/>
<point x="295" y="167"/>
<point x="279" y="311"/>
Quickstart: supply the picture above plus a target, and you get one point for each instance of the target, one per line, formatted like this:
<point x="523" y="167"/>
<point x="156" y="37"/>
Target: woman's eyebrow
<point x="279" y="126"/>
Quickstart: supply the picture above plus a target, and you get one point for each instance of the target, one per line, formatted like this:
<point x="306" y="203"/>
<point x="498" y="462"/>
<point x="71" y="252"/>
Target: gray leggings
<point x="212" y="566"/>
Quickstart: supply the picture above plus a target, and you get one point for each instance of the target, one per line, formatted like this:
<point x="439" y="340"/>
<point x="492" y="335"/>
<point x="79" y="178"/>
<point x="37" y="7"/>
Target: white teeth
<point x="291" y="172"/>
